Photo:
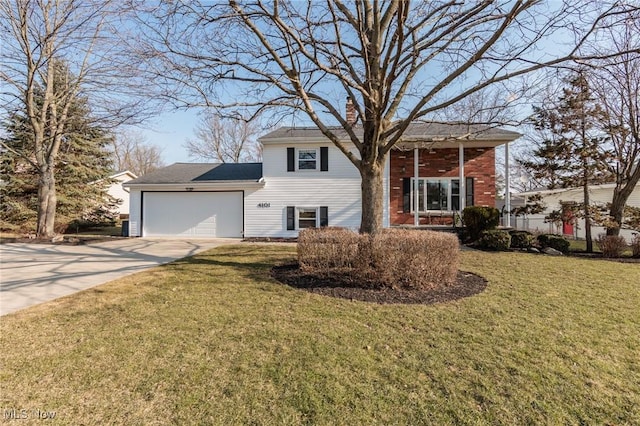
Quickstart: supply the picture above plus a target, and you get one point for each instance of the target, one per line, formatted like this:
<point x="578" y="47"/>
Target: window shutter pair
<point x="324" y="159"/>
<point x="291" y="217"/>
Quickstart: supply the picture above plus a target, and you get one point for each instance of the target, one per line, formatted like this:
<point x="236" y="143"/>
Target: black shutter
<point x="324" y="159"/>
<point x="406" y="195"/>
<point x="291" y="218"/>
<point x="469" y="192"/>
<point x="324" y="216"/>
<point x="291" y="159"/>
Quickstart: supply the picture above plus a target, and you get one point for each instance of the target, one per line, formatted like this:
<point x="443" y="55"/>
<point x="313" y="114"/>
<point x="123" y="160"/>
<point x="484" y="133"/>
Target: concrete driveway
<point x="34" y="273"/>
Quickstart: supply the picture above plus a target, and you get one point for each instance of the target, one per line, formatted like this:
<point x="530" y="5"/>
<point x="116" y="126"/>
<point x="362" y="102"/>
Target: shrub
<point x="611" y="245"/>
<point x="521" y="239"/>
<point x="392" y="258"/>
<point x="325" y="249"/>
<point x="554" y="241"/>
<point x="415" y="259"/>
<point x="635" y="245"/>
<point x="478" y="219"/>
<point x="496" y="240"/>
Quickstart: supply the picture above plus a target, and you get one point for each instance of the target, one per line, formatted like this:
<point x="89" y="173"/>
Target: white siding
<point x="118" y="192"/>
<point x="338" y="189"/>
<point x="600" y="195"/>
<point x="135" y="204"/>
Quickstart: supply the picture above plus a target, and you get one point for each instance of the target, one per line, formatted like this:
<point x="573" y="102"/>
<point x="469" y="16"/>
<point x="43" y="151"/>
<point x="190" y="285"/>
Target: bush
<point x="611" y="245"/>
<point x="329" y="249"/>
<point x="479" y="219"/>
<point x="554" y="241"/>
<point x="392" y="258"/>
<point x="635" y="245"/>
<point x="521" y="239"/>
<point x="415" y="259"/>
<point x="495" y="240"/>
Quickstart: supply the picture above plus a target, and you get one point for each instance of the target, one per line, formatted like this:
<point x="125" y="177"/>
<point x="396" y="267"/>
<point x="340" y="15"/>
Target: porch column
<point x="507" y="187"/>
<point x="463" y="184"/>
<point x="416" y="186"/>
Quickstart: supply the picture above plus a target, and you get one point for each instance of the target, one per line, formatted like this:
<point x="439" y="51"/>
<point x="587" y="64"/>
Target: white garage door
<point x="192" y="214"/>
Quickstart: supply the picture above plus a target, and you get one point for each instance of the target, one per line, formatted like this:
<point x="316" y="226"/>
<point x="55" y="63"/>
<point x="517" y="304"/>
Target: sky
<point x="169" y="132"/>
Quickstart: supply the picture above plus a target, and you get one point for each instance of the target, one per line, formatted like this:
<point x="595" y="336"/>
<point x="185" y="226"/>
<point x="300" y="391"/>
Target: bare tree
<point x="397" y="61"/>
<point x="225" y="140"/>
<point x="132" y="152"/>
<point x="616" y="82"/>
<point x="39" y="39"/>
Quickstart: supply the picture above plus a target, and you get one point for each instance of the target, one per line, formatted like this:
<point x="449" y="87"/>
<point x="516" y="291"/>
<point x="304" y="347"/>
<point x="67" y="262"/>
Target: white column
<point x="463" y="183"/>
<point x="416" y="186"/>
<point x="507" y="187"/>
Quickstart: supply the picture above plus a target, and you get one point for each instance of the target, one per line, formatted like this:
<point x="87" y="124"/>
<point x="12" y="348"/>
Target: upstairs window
<point x="307" y="159"/>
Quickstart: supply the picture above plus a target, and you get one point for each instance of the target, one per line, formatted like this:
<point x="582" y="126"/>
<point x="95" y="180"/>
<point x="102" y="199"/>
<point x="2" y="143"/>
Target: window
<point x="307" y="217"/>
<point x="307" y="159"/>
<point x="437" y="194"/>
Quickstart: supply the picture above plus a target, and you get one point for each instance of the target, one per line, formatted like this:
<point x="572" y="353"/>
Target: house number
<point x="264" y="205"/>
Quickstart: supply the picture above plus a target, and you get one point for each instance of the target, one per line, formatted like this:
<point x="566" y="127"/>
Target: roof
<point x="123" y="172"/>
<point x="183" y="173"/>
<point x="545" y="191"/>
<point x="415" y="131"/>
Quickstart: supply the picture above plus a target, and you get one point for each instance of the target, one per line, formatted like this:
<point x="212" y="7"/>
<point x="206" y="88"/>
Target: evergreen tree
<point x="82" y="168"/>
<point x="573" y="153"/>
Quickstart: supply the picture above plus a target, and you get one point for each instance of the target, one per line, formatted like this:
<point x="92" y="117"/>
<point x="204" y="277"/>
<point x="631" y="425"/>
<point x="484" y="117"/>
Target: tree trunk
<point x="587" y="218"/>
<point x="618" y="203"/>
<point x="372" y="195"/>
<point x="46" y="204"/>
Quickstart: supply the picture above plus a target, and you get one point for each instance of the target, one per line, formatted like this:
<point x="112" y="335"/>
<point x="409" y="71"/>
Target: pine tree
<point x="82" y="167"/>
<point x="572" y="155"/>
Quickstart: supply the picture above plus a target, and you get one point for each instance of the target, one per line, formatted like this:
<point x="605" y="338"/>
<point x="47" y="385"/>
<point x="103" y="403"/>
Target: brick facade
<point x="479" y="164"/>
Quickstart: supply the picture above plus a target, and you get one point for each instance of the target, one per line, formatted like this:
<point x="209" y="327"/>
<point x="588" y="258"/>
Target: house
<point x="118" y="192"/>
<point x="306" y="181"/>
<point x="562" y="198"/>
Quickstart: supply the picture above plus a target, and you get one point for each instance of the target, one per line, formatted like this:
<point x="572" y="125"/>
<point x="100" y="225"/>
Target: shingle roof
<point x="202" y="172"/>
<point x="417" y="130"/>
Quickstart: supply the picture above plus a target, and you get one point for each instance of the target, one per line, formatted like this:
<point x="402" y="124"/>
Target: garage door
<point x="192" y="214"/>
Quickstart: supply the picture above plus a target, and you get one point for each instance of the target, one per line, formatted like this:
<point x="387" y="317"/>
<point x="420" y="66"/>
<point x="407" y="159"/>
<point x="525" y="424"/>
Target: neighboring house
<point x="306" y="181"/>
<point x="560" y="199"/>
<point x="118" y="192"/>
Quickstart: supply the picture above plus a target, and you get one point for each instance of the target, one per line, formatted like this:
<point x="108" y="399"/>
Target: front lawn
<point x="214" y="340"/>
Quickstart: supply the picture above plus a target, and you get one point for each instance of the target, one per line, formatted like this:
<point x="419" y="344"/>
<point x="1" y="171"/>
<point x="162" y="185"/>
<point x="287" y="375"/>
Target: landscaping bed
<point x="346" y="287"/>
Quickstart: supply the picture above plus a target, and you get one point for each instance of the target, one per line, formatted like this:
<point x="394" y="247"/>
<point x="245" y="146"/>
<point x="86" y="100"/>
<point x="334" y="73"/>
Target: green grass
<point x="214" y="340"/>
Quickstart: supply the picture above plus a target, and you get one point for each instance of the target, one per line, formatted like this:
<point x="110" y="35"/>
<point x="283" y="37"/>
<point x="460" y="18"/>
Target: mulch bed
<point x="467" y="284"/>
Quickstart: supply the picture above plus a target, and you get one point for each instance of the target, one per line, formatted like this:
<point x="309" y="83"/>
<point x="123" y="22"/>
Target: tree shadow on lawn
<point x="254" y="270"/>
<point x="345" y="286"/>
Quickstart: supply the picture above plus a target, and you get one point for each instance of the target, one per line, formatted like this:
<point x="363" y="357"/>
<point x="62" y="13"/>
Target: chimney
<point x="350" y="115"/>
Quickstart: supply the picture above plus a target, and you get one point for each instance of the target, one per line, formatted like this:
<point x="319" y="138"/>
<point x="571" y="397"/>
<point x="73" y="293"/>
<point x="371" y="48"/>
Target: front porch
<point x="431" y="182"/>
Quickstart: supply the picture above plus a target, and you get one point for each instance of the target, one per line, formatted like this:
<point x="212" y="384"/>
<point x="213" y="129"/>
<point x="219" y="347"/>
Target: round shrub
<point x="521" y="239"/>
<point x="611" y="245"/>
<point x="478" y="219"/>
<point x="495" y="240"/>
<point x="554" y="241"/>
